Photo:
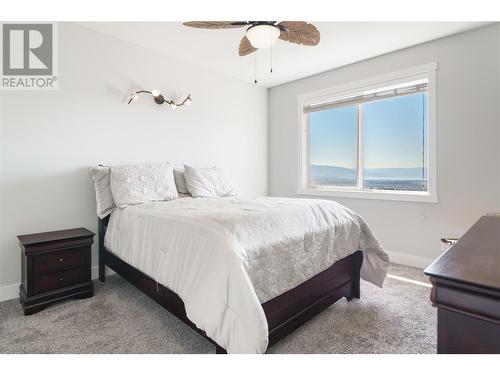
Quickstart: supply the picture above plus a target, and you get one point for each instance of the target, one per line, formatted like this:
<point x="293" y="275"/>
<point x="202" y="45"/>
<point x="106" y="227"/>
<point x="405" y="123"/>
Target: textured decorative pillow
<point x="103" y="195"/>
<point x="133" y="184"/>
<point x="208" y="182"/>
<point x="180" y="181"/>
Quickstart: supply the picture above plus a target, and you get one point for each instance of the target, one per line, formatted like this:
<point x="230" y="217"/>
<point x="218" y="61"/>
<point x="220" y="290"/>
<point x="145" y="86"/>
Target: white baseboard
<point x="409" y="260"/>
<point x="9" y="292"/>
<point x="95" y="272"/>
<point x="12" y="291"/>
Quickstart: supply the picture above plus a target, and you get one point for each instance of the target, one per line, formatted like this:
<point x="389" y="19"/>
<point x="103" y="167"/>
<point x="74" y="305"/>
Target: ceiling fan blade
<point x="246" y="47"/>
<point x="216" y="24"/>
<point x="299" y="32"/>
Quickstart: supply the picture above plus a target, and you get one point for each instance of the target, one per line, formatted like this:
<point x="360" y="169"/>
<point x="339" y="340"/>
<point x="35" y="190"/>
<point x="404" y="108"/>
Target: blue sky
<point x="393" y="134"/>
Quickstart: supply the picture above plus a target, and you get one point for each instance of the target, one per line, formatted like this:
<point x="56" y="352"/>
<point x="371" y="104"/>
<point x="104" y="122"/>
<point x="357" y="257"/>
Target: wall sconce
<point x="158" y="98"/>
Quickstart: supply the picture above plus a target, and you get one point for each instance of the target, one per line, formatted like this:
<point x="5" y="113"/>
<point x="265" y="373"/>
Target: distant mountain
<point x="326" y="172"/>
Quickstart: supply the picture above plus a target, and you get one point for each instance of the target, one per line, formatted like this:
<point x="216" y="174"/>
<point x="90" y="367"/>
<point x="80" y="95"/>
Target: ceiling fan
<point x="263" y="34"/>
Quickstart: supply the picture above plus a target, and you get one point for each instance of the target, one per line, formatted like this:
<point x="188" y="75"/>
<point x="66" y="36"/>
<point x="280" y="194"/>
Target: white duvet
<point x="226" y="256"/>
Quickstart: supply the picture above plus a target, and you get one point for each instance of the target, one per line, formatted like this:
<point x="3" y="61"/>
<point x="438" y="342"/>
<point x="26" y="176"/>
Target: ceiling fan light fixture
<point x="263" y="36"/>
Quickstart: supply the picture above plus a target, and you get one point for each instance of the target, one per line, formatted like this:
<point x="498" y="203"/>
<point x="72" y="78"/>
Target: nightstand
<point x="54" y="266"/>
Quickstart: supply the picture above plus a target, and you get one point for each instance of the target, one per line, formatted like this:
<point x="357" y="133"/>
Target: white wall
<point x="467" y="141"/>
<point x="49" y="139"/>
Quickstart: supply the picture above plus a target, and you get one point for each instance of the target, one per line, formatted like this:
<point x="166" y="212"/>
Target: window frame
<point x="426" y="71"/>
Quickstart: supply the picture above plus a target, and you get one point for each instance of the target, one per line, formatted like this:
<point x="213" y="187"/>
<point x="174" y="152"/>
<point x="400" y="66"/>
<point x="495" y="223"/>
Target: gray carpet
<point x="119" y="319"/>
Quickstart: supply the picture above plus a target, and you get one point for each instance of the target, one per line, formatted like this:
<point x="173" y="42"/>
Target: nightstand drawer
<point x="56" y="280"/>
<point x="60" y="260"/>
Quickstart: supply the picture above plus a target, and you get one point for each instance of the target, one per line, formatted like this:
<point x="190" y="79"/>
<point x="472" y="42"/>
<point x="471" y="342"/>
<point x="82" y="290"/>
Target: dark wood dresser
<point x="54" y="266"/>
<point x="466" y="291"/>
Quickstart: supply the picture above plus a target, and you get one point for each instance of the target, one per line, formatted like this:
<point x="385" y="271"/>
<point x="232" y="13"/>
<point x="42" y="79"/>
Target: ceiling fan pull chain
<point x="255" y="67"/>
<point x="271" y="43"/>
<point x="271" y="59"/>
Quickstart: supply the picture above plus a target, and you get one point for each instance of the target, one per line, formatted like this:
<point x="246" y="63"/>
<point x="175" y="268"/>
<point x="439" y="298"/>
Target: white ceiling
<point x="341" y="43"/>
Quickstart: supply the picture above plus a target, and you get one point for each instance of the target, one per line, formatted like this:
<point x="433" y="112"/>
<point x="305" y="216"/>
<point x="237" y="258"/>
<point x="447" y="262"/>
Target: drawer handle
<point x="61" y="278"/>
<point x="60" y="260"/>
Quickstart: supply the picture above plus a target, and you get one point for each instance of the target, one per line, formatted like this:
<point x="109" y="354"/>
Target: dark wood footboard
<point x="293" y="308"/>
<point x="284" y="313"/>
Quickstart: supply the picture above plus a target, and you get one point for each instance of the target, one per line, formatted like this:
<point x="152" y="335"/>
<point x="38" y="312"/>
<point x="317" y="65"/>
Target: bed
<point x="242" y="272"/>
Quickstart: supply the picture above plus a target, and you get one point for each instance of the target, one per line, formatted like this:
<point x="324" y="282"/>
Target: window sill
<point x="406" y="196"/>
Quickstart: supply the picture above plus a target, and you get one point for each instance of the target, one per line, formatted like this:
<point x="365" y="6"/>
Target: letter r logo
<point x="27" y="49"/>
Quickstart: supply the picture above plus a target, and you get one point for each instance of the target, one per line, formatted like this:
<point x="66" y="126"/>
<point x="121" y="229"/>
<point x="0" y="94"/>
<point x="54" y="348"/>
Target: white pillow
<point x="103" y="195"/>
<point x="133" y="184"/>
<point x="208" y="182"/>
<point x="180" y="181"/>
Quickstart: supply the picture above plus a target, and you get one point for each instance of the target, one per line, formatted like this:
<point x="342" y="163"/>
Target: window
<point x="371" y="139"/>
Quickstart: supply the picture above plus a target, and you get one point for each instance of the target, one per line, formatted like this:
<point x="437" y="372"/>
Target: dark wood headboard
<point x="102" y="226"/>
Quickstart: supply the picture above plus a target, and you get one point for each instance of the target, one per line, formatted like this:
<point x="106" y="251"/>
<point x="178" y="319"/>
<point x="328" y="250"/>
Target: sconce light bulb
<point x="135" y="96"/>
<point x="173" y="105"/>
<point x="155" y="92"/>
<point x="188" y="101"/>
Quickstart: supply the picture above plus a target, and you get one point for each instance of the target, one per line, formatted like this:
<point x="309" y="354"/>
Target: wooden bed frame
<point x="284" y="313"/>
